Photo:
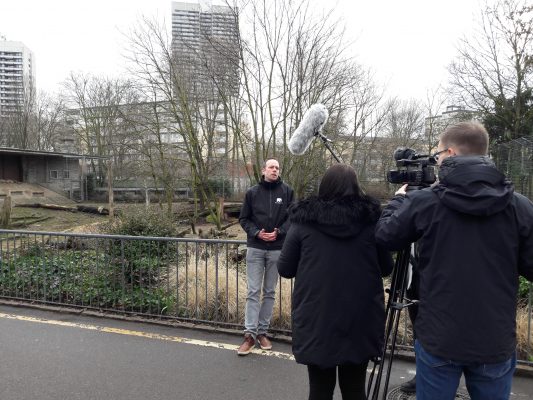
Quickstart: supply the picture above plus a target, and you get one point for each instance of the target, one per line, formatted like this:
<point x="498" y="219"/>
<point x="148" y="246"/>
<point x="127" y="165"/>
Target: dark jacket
<point x="475" y="237"/>
<point x="265" y="207"/>
<point x="337" y="303"/>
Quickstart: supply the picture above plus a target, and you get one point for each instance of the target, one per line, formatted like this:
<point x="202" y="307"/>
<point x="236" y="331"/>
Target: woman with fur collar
<point x="338" y="311"/>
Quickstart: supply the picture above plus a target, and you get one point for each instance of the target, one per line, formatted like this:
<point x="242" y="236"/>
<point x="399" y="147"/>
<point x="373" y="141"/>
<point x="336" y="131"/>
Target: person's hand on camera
<point x="401" y="191"/>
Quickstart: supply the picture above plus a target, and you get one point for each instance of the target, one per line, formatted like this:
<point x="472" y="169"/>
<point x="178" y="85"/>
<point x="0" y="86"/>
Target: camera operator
<point x="475" y="237"/>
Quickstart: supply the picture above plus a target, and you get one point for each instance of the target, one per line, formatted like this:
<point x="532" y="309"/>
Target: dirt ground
<point x="237" y="231"/>
<point x="46" y="220"/>
<point x="56" y="221"/>
<point x="234" y="232"/>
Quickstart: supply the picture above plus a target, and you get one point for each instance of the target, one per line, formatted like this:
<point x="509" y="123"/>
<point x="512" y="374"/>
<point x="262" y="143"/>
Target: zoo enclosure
<point x="192" y="280"/>
<point x="515" y="160"/>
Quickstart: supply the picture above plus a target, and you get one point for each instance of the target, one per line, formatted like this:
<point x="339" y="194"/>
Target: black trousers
<point x="351" y="382"/>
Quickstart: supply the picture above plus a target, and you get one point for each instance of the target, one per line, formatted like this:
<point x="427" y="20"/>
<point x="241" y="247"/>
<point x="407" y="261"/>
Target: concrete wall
<point x="34" y="169"/>
<point x="52" y="170"/>
<point x="62" y="175"/>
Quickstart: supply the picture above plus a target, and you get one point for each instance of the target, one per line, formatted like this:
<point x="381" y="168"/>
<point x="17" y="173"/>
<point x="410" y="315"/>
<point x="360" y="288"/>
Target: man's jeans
<point x="261" y="272"/>
<point x="438" y="379"/>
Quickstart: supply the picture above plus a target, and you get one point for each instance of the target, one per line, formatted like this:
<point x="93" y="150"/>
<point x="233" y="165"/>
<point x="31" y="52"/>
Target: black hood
<point x="340" y="218"/>
<point x="472" y="185"/>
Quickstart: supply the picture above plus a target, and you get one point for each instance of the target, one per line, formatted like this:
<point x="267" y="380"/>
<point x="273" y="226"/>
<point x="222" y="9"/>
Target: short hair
<point x="267" y="160"/>
<point x="468" y="138"/>
<point x="340" y="180"/>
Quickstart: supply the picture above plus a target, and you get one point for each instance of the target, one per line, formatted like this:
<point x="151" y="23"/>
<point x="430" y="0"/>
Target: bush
<point x="134" y="222"/>
<point x="222" y="187"/>
<point x="141" y="260"/>
<point x="82" y="278"/>
<point x="523" y="290"/>
<point x="91" y="184"/>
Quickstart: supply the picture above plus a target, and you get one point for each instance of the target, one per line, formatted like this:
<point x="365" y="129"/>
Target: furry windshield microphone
<point x="310" y="126"/>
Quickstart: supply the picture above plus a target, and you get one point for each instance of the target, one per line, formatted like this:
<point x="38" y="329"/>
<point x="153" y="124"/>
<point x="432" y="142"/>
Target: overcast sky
<point x="407" y="43"/>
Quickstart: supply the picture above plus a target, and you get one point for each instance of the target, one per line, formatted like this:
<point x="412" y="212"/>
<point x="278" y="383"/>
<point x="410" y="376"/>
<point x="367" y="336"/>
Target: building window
<point x="66" y="174"/>
<point x="54" y="174"/>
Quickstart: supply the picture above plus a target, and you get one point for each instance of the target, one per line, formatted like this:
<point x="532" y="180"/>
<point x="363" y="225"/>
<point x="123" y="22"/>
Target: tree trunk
<point x="5" y="215"/>
<point x="110" y="188"/>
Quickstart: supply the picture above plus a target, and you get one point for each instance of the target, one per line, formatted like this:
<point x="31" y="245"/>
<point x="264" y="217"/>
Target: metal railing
<point x="191" y="280"/>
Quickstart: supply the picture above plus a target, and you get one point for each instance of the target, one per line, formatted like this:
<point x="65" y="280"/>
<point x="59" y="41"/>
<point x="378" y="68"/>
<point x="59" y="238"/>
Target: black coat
<point x="265" y="207"/>
<point x="475" y="236"/>
<point x="337" y="304"/>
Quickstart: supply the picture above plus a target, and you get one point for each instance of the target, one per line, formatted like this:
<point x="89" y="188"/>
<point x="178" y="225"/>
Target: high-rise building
<point x="205" y="45"/>
<point x="17" y="75"/>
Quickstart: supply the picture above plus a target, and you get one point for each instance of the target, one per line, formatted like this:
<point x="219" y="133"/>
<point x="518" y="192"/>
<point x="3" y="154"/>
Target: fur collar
<point x="339" y="212"/>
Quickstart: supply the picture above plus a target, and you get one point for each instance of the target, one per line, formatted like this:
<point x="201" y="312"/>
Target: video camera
<point x="413" y="168"/>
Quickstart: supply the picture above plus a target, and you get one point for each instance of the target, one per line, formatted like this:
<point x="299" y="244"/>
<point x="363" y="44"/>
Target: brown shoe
<point x="247" y="345"/>
<point x="264" y="342"/>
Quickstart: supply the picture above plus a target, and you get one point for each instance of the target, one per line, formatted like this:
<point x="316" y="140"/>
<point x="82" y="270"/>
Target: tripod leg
<point x="392" y="317"/>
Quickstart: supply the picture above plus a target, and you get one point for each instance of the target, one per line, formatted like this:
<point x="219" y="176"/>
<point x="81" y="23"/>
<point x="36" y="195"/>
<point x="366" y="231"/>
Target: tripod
<point x="395" y="304"/>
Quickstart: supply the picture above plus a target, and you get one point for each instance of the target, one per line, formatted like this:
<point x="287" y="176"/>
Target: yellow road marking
<point x="148" y="335"/>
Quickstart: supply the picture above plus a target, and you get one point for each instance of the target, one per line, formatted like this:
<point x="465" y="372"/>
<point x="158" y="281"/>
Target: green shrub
<point x="523" y="290"/>
<point x="141" y="261"/>
<point x="222" y="187"/>
<point x="91" y="184"/>
<point x="86" y="277"/>
<point x="134" y="222"/>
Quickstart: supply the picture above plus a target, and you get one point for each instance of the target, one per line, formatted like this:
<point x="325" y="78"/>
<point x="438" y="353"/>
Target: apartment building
<point x="206" y="58"/>
<point x="17" y="75"/>
<point x="435" y="125"/>
<point x="205" y="45"/>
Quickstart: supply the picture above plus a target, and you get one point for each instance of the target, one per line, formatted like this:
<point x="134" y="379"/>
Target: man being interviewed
<point x="264" y="219"/>
<point x="475" y="237"/>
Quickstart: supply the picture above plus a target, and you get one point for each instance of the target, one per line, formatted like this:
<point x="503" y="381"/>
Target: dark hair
<point x="340" y="180"/>
<point x="469" y="138"/>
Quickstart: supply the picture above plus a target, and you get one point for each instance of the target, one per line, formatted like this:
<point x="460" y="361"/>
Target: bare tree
<point x="287" y="59"/>
<point x="49" y="122"/>
<point x="158" y="153"/>
<point x="192" y="109"/>
<point x="362" y="117"/>
<point x="433" y="125"/>
<point x="17" y="125"/>
<point x="403" y="128"/>
<point x="291" y="58"/>
<point x="405" y="122"/>
<point x="94" y="115"/>
<point x="35" y="124"/>
<point x="493" y="72"/>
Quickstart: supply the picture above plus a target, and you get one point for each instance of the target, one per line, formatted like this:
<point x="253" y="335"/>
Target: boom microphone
<point x="310" y="126"/>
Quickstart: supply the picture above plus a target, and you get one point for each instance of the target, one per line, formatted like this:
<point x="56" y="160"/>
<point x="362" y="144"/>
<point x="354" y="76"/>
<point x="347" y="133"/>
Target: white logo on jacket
<point x="279" y="200"/>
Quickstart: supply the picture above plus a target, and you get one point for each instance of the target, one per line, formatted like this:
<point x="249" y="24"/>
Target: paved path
<point x="54" y="356"/>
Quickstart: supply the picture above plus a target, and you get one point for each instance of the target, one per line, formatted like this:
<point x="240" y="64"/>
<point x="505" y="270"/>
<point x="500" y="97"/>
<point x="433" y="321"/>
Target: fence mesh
<point x="515" y="160"/>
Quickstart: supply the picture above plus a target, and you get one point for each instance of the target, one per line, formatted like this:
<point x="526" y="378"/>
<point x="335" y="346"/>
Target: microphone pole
<point x="325" y="140"/>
